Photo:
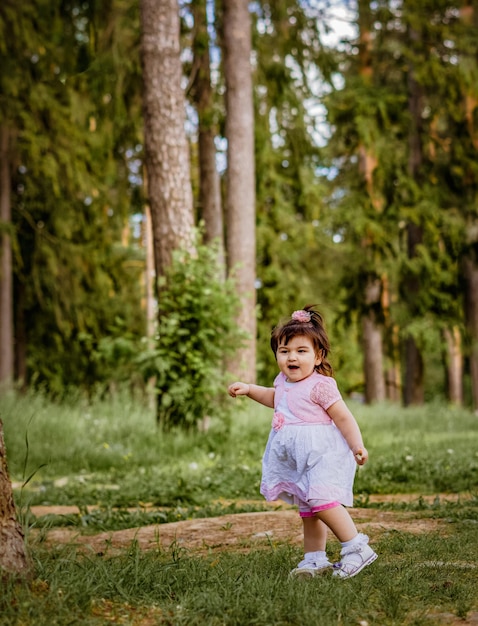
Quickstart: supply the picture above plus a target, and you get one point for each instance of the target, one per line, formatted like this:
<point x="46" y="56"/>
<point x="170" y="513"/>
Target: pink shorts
<point x="310" y="508"/>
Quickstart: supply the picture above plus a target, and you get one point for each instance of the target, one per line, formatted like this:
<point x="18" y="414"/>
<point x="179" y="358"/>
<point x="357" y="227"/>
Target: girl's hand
<point x="238" y="389"/>
<point x="360" y="455"/>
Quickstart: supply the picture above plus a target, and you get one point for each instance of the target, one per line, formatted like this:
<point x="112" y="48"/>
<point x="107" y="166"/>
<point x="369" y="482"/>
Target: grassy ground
<point x="110" y="454"/>
<point x="421" y="579"/>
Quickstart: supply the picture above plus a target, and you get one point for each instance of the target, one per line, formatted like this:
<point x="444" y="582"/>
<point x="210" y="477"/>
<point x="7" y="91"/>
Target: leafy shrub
<point x="197" y="330"/>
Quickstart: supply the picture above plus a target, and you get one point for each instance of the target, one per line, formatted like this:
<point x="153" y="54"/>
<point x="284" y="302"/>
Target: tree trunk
<point x="393" y="377"/>
<point x="373" y="359"/>
<point x="393" y="374"/>
<point x="149" y="278"/>
<point x="454" y="365"/>
<point x="413" y="388"/>
<point x="469" y="15"/>
<point x="240" y="188"/>
<point x="6" y="272"/>
<point x="166" y="146"/>
<point x="151" y="314"/>
<point x="210" y="205"/>
<point x="13" y="556"/>
<point x="21" y="338"/>
<point x="470" y="274"/>
<point x="372" y="344"/>
<point x="371" y="328"/>
<point x="413" y="392"/>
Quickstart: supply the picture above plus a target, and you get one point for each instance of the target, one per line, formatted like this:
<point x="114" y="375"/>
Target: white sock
<point x="315" y="557"/>
<point x="359" y="538"/>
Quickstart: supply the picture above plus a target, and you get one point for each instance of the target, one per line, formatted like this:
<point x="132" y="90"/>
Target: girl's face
<point x="297" y="359"/>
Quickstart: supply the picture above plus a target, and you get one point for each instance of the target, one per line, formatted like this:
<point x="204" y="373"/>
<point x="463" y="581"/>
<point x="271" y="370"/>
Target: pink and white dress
<point x="306" y="457"/>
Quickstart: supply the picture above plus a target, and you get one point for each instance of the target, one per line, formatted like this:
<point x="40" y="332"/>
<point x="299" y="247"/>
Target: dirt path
<point x="238" y="531"/>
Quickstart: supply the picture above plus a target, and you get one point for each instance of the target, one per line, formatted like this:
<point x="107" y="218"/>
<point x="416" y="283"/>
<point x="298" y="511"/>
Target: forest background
<point x="363" y="197"/>
<point x="174" y="178"/>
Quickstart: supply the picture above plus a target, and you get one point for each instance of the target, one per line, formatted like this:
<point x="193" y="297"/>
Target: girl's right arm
<point x="263" y="395"/>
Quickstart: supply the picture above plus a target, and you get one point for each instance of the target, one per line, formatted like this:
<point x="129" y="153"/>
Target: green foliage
<point x="296" y="258"/>
<point x="71" y="97"/>
<point x="71" y="195"/>
<point x="196" y="332"/>
<point x="376" y="196"/>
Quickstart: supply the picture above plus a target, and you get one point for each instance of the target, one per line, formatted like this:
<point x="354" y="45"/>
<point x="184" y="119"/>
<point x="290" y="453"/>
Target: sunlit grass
<point x="110" y="454"/>
<point x="418" y="579"/>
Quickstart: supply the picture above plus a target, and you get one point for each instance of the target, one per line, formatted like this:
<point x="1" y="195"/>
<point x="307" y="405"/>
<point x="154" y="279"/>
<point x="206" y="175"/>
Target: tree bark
<point x="470" y="275"/>
<point x="6" y="272"/>
<point x="210" y="205"/>
<point x="166" y="147"/>
<point x="469" y="15"/>
<point x="21" y="337"/>
<point x="413" y="388"/>
<point x="454" y="365"/>
<point x="240" y="187"/>
<point x="413" y="384"/>
<point x="373" y="360"/>
<point x="149" y="278"/>
<point x="13" y="556"/>
<point x="150" y="305"/>
<point x="393" y="373"/>
<point x="373" y="347"/>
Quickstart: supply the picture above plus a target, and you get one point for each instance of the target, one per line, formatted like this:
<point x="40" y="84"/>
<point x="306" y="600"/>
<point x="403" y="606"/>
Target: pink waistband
<point x="307" y="423"/>
<point x="279" y="421"/>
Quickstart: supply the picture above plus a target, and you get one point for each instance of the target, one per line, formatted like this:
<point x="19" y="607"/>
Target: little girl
<point x="314" y="445"/>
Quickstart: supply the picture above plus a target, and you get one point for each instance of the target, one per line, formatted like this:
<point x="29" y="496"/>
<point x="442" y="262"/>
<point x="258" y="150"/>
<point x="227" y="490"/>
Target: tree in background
<point x="240" y="176"/>
<point x="364" y="155"/>
<point x="435" y="59"/>
<point x="166" y="148"/>
<point x="412" y="122"/>
<point x="71" y="275"/>
<point x="413" y="390"/>
<point x="465" y="178"/>
<point x="333" y="213"/>
<point x="6" y="273"/>
<point x="296" y="257"/>
<point x="210" y="200"/>
<point x="372" y="319"/>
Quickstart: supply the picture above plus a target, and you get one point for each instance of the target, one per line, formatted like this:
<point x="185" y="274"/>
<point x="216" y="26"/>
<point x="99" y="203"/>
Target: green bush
<point x="197" y="331"/>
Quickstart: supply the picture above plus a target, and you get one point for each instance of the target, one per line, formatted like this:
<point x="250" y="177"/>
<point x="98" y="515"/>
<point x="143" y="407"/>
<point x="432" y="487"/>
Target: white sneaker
<point x="354" y="559"/>
<point x="309" y="569"/>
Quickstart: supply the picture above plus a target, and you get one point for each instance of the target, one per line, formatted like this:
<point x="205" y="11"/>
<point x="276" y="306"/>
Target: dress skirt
<point x="304" y="461"/>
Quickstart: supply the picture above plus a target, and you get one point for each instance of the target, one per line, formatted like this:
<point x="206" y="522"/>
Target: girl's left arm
<point x="347" y="424"/>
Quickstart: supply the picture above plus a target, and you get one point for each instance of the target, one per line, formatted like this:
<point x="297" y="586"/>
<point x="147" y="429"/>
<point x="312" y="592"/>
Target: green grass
<point x="416" y="580"/>
<point x="110" y="454"/>
<point x="421" y="449"/>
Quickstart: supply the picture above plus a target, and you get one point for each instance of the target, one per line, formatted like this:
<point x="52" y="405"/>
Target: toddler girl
<point x="314" y="445"/>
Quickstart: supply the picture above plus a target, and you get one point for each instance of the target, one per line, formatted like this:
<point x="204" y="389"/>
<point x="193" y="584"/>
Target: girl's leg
<point x="315" y="534"/>
<point x="339" y="521"/>
<point x="356" y="553"/>
<point x="315" y="558"/>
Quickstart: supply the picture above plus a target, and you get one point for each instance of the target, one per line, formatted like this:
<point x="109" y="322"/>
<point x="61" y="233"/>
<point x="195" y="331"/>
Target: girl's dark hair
<point x="314" y="329"/>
